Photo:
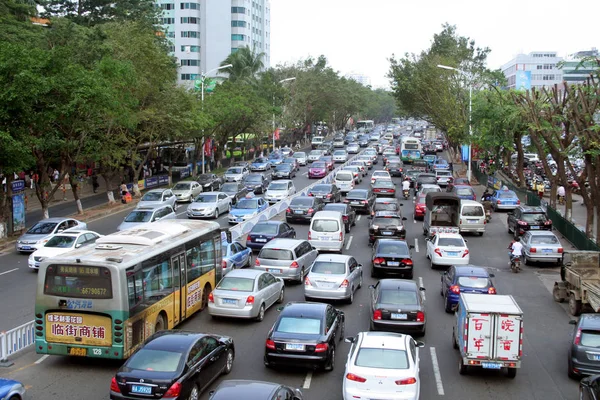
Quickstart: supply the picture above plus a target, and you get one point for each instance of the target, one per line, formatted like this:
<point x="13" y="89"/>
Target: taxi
<point x="247" y="208"/>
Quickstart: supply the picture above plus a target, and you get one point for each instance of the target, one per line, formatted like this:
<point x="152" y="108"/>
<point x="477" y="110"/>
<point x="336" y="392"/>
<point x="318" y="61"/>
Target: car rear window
<point x="546" y="239"/>
<point x="451" y="242"/>
<point x="269" y="229"/>
<point x="304" y="202"/>
<point x="507" y="195"/>
<point x="155" y="360"/>
<point x="325" y="225"/>
<point x="590" y="338"/>
<point x="356" y="194"/>
<point x="276" y="254"/>
<point x="328" y="267"/>
<point x="396" y="248"/>
<point x="464" y="192"/>
<point x="473" y="282"/>
<point x="236" y="284"/>
<point x="534" y="218"/>
<point x="344" y="176"/>
<point x="403" y="297"/>
<point x="387" y="221"/>
<point x="381" y="358"/>
<point x="386" y="207"/>
<point x="472" y="211"/>
<point x="307" y="326"/>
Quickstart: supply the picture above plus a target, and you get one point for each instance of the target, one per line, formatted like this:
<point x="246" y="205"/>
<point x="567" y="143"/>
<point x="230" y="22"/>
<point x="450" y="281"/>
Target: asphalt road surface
<point x="543" y="374"/>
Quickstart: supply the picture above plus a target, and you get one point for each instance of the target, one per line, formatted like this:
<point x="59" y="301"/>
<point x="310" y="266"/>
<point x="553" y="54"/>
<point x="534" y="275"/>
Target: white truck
<point x="488" y="333"/>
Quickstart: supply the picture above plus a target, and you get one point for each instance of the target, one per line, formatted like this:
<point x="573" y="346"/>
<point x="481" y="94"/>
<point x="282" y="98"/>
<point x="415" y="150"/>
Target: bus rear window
<point x="78" y="282"/>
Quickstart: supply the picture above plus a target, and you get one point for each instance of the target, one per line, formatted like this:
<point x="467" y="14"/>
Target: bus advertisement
<point x="106" y="299"/>
<point x="410" y="149"/>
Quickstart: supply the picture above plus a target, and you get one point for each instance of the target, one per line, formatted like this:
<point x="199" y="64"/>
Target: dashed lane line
<point x="436" y="371"/>
<point x="421" y="285"/>
<point x="307" y="380"/>
<point x="358" y="218"/>
<point x="11" y="270"/>
<point x="349" y="243"/>
<point x="416" y="245"/>
<point x="42" y="358"/>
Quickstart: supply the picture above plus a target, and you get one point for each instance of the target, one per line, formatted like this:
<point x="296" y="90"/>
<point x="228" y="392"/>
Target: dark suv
<point x="527" y="218"/>
<point x="584" y="357"/>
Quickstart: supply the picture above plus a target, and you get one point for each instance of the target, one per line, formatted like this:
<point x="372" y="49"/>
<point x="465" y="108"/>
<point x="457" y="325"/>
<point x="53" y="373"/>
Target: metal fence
<point x="570" y="231"/>
<point x="15" y="340"/>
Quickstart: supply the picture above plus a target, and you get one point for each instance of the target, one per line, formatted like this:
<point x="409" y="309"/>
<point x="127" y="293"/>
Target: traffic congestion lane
<point x="546" y="331"/>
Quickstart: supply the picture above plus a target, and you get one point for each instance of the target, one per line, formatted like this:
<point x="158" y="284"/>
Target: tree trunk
<point x="108" y="177"/>
<point x="520" y="159"/>
<point x="6" y="205"/>
<point x="75" y="189"/>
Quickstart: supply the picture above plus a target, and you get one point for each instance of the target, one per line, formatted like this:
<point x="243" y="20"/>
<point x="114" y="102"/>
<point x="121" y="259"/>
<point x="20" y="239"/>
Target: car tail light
<point x="311" y="210"/>
<point x="344" y="284"/>
<point x="522" y="223"/>
<point x="270" y="344"/>
<point x="498" y="202"/>
<point x="407" y="261"/>
<point x="341" y="237"/>
<point x="576" y="341"/>
<point x="560" y="250"/>
<point x="114" y="387"/>
<point x="346" y="201"/>
<point x="249" y="239"/>
<point x="533" y="250"/>
<point x="465" y="253"/>
<point x="329" y="195"/>
<point x="289" y="210"/>
<point x="378" y="260"/>
<point x="438" y="252"/>
<point x="321" y="348"/>
<point x="310" y="194"/>
<point x="455" y="289"/>
<point x="548" y="222"/>
<point x="492" y="290"/>
<point x="365" y="202"/>
<point x="377" y="315"/>
<point x="223" y="264"/>
<point x="307" y="282"/>
<point x="309" y="236"/>
<point x="406" y="381"/>
<point x="294" y="265"/>
<point x="518" y="202"/>
<point x="257" y="262"/>
<point x="211" y="298"/>
<point x="174" y="391"/>
<point x="420" y="316"/>
<point x="345" y="218"/>
<point x="250" y="300"/>
<point x="355" y="378"/>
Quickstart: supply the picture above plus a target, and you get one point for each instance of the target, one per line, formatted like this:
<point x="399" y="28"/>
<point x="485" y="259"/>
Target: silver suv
<point x="289" y="259"/>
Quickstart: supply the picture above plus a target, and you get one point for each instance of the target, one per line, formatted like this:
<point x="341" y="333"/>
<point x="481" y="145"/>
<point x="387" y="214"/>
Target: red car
<point x="327" y="160"/>
<point x="420" y="207"/>
<point x="318" y="169"/>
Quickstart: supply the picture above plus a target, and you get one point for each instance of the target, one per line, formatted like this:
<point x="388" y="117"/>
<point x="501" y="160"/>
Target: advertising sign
<point x="523" y="80"/>
<point x="151" y="182"/>
<point x="18" y="211"/>
<point x="185" y="173"/>
<point x="141" y="184"/>
<point x="494" y="183"/>
<point x="18" y="186"/>
<point x="163" y="180"/>
<point x="76" y="328"/>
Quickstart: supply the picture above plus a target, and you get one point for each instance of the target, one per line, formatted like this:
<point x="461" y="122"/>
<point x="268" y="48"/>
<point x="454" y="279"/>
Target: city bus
<point x="410" y="149"/>
<point x="105" y="300"/>
<point x="366" y="124"/>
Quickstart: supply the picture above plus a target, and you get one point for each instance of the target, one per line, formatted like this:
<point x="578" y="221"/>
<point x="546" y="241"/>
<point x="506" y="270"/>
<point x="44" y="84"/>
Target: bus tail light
<point x="114" y="387"/>
<point x="174" y="391"/>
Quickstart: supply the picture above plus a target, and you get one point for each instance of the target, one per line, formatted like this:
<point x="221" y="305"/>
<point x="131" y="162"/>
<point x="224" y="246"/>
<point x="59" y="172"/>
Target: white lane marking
<point x="349" y="243"/>
<point x="305" y="174"/>
<point x="421" y="285"/>
<point x="436" y="371"/>
<point x="416" y="245"/>
<point x="42" y="358"/>
<point x="6" y="272"/>
<point x="307" y="380"/>
<point x="358" y="218"/>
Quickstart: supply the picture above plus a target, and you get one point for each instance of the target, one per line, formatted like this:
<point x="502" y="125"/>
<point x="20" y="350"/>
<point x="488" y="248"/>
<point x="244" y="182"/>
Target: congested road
<point x="542" y="376"/>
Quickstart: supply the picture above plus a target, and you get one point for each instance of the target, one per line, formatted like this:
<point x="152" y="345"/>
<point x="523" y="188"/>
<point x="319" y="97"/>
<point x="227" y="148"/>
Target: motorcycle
<point x="515" y="264"/>
<point x="405" y="193"/>
<point x="487" y="205"/>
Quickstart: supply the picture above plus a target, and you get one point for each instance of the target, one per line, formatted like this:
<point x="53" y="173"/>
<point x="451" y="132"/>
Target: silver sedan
<point x="245" y="293"/>
<point x="541" y="246"/>
<point x="334" y="277"/>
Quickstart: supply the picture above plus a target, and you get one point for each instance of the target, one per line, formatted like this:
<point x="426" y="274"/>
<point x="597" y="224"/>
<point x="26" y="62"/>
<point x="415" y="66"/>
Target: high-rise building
<point x="360" y="78"/>
<point x="203" y="33"/>
<point x="536" y="69"/>
<point x="577" y="67"/>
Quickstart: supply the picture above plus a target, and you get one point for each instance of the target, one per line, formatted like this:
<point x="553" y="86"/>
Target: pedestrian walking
<point x="55" y="175"/>
<point x="540" y="189"/>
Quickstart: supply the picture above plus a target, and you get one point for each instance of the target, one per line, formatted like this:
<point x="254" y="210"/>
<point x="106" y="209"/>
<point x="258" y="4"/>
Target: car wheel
<point x="447" y="305"/>
<point x="373" y="272"/>
<point x="175" y="206"/>
<point x="515" y="233"/>
<point x="574" y="306"/>
<point x="249" y="262"/>
<point x="571" y="372"/>
<point x="454" y="341"/>
<point x="261" y="313"/>
<point x="194" y="394"/>
<point x="228" y="362"/>
<point x="462" y="368"/>
<point x="409" y="275"/>
<point x="360" y="281"/>
<point x="511" y="372"/>
<point x="331" y="363"/>
<point x="347" y="228"/>
<point x="281" y="296"/>
<point x="350" y="299"/>
<point x="433" y="266"/>
<point x="301" y="279"/>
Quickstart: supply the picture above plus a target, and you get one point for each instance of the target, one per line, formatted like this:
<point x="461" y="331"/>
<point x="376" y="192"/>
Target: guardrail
<point x="15" y="340"/>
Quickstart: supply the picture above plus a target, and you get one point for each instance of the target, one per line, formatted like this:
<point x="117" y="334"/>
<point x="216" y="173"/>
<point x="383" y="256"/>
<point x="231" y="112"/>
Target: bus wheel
<point x="205" y="293"/>
<point x="160" y="324"/>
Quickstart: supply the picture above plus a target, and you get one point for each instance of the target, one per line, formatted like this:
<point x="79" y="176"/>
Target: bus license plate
<point x="141" y="389"/>
<point x="77" y="351"/>
<point x="491" y="365"/>
<point x="399" y="316"/>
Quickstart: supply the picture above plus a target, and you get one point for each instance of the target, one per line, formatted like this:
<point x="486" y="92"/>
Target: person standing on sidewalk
<point x="124" y="191"/>
<point x="540" y="189"/>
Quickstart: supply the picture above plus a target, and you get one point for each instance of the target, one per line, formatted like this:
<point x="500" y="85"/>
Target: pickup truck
<point x="441" y="213"/>
<point x="488" y="333"/>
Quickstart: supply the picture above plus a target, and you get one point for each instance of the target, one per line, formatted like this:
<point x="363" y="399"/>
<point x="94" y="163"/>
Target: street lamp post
<point x="273" y="125"/>
<point x="202" y="78"/>
<point x="470" y="78"/>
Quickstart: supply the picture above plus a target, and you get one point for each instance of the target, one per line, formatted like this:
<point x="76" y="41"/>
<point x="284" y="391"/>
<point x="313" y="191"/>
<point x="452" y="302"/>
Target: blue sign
<point x="523" y="80"/>
<point x="18" y="186"/>
<point x="465" y="152"/>
<point x="151" y="182"/>
<point x="185" y="173"/>
<point x="18" y="211"/>
<point x="163" y="180"/>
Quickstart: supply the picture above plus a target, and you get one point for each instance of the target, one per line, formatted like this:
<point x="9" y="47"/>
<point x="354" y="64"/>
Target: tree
<point x="94" y="12"/>
<point x="245" y="63"/>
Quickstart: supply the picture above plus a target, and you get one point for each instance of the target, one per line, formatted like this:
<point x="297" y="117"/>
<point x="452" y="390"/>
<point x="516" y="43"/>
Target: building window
<point x="190" y="63"/>
<point x="239" y="24"/>
<point x="189" y="77"/>
<point x="171" y="48"/>
<point x="239" y="37"/>
<point x="191" y="49"/>
<point x="548" y="78"/>
<point x="190" y="34"/>
<point x="238" y="10"/>
<point x="168" y="6"/>
<point x="190" y="20"/>
<point x="170" y="34"/>
<point x="167" y="21"/>
<point x="234" y="50"/>
<point x="190" y="6"/>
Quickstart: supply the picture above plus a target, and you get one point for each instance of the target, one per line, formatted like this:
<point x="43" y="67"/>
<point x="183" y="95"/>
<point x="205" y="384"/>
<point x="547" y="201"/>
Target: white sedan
<point x="209" y="204"/>
<point x="61" y="243"/>
<point x="382" y="365"/>
<point x="447" y="249"/>
<point x="380" y="175"/>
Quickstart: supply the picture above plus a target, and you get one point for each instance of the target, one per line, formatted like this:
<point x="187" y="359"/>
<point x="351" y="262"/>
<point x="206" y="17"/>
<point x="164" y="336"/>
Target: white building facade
<point x="360" y="78"/>
<point x="537" y="69"/>
<point x="578" y="66"/>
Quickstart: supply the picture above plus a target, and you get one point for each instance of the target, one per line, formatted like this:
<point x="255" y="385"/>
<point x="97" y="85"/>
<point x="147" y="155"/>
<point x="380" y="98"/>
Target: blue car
<point x="275" y="158"/>
<point x="440" y="163"/>
<point x="246" y="209"/>
<point x="235" y="256"/>
<point x="260" y="164"/>
<point x="465" y="279"/>
<point x="431" y="159"/>
<point x="505" y="199"/>
<point x="265" y="231"/>
<point x="11" y="390"/>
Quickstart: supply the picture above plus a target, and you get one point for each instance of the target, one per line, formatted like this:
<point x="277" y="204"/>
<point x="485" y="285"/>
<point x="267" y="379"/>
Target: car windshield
<point x="204" y="178"/>
<point x="139" y="216"/>
<point x="289" y="160"/>
<point x="182" y="186"/>
<point x="206" y="198"/>
<point x="299" y="155"/>
<point x="321" y="188"/>
<point x="472" y="211"/>
<point x="386" y="221"/>
<point x="42" y="228"/>
<point x="456" y="242"/>
<point x="354" y="194"/>
<point x="339" y="153"/>
<point x="229" y="187"/>
<point x="444" y="173"/>
<point x="590" y="338"/>
<point x="62" y="242"/>
<point x="386" y="207"/>
<point x="278" y="186"/>
<point x="395" y="296"/>
<point x="261" y="160"/>
<point x="335" y="207"/>
<point x="155" y="360"/>
<point x="545" y="239"/>
<point x="275" y="254"/>
<point x="381" y="358"/>
<point x="397" y="248"/>
<point x="464" y="192"/>
<point x="318" y="165"/>
<point x="268" y="229"/>
<point x="302" y="202"/>
<point x="473" y="282"/>
<point x="533" y="218"/>
<point x="236" y="284"/>
<point x="306" y="326"/>
<point x="325" y="225"/>
<point x="328" y="267"/>
<point x="247" y="204"/>
<point x="316" y="153"/>
<point x="152" y="196"/>
<point x="283" y="167"/>
<point x="384" y="184"/>
<point x="234" y="171"/>
<point x="507" y="195"/>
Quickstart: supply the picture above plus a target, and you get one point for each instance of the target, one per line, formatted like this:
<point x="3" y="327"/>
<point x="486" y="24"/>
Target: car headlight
<point x="19" y="241"/>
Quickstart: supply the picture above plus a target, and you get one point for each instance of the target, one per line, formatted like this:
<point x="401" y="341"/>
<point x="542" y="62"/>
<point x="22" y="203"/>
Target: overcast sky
<point x="359" y="36"/>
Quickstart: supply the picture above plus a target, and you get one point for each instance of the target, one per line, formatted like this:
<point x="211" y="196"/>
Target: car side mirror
<point x="445" y="273"/>
<point x="78" y="245"/>
<point x="359" y="265"/>
<point x="280" y="308"/>
<point x="492" y="276"/>
<point x="349" y="339"/>
<point x="404" y="219"/>
<point x="371" y="286"/>
<point x="573" y="322"/>
<point x="211" y="394"/>
<point x="422" y="289"/>
<point x="411" y="246"/>
<point x="419" y="344"/>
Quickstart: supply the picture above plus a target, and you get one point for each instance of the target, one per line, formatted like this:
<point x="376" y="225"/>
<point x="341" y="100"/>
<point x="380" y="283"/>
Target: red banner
<point x="276" y="134"/>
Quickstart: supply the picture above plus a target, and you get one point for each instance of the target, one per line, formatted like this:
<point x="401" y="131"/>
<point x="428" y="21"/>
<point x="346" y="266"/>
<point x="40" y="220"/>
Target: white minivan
<point x="471" y="217"/>
<point x="327" y="231"/>
<point x="344" y="180"/>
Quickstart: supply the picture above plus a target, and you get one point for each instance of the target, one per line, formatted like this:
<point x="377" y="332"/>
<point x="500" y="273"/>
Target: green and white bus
<point x="366" y="124"/>
<point x="104" y="300"/>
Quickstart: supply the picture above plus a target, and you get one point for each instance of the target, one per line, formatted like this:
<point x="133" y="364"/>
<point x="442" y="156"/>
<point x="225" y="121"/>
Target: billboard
<point x="523" y="80"/>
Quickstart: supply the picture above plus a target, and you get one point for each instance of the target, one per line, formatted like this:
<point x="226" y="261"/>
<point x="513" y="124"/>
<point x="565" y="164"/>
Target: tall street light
<point x="273" y="131"/>
<point x="470" y="78"/>
<point x="202" y="79"/>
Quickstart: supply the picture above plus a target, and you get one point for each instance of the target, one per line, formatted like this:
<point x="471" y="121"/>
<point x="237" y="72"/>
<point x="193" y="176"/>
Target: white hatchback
<point x="447" y="249"/>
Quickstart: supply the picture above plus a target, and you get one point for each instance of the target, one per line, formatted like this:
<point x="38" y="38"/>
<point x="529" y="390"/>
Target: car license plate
<point x="261" y="240"/>
<point x="355" y="203"/>
<point x="393" y="263"/>
<point x="472" y="221"/>
<point x="77" y="351"/>
<point x="298" y="212"/>
<point x="141" y="389"/>
<point x="294" y="346"/>
<point x="491" y="365"/>
<point x="546" y="250"/>
<point x="534" y="227"/>
<point x="399" y="316"/>
<point x="26" y="248"/>
<point x="326" y="238"/>
<point x="276" y="271"/>
<point x="240" y="219"/>
<point x="452" y="253"/>
<point x="229" y="301"/>
<point x="387" y="233"/>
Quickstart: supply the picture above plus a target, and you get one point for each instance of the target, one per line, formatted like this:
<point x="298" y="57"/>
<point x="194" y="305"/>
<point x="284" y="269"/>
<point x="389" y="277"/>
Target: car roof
<point x="305" y="309"/>
<point x="449" y="235"/>
<point x="384" y="200"/>
<point x="151" y="207"/>
<point x="400" y="284"/>
<point x="333" y="257"/>
<point x="335" y="205"/>
<point x="282" y="243"/>
<point x="157" y="190"/>
<point x="244" y="273"/>
<point x="387" y="340"/>
<point x="245" y="389"/>
<point x="471" y="270"/>
<point x="541" y="233"/>
<point x="460" y="186"/>
<point x="327" y="215"/>
<point x="282" y="181"/>
<point x="398" y="241"/>
<point x="173" y="340"/>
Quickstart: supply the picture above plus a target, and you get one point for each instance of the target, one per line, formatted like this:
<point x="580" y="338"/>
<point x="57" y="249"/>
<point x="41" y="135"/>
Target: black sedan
<point x="305" y="334"/>
<point x="254" y="390"/>
<point x="327" y="192"/>
<point x="384" y="187"/>
<point x="392" y="256"/>
<point x="235" y="190"/>
<point x="348" y="213"/>
<point x="395" y="169"/>
<point x="303" y="208"/>
<point x="209" y="182"/>
<point x="360" y="200"/>
<point x="386" y="204"/>
<point x="397" y="305"/>
<point x="424" y="178"/>
<point x="284" y="171"/>
<point x="265" y="231"/>
<point x="256" y="183"/>
<point x="387" y="224"/>
<point x="173" y="365"/>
